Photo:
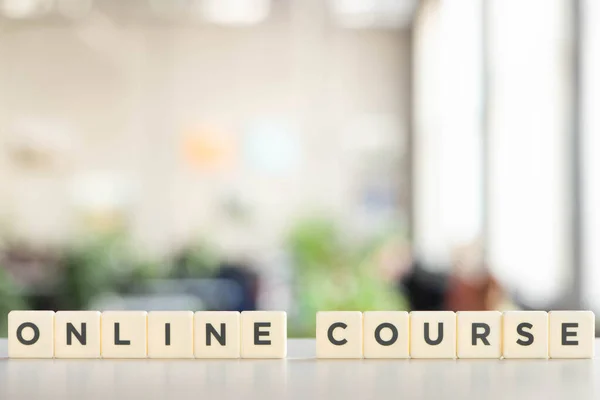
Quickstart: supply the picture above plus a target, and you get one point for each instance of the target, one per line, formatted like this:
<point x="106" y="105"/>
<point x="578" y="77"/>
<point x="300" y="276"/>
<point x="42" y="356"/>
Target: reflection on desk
<point x="299" y="376"/>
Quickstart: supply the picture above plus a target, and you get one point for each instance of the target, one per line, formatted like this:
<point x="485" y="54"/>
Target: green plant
<point x="97" y="265"/>
<point x="11" y="298"/>
<point x="198" y="260"/>
<point x="333" y="273"/>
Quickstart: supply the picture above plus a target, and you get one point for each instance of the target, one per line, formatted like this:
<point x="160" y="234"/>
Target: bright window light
<point x="529" y="223"/>
<point x="235" y="12"/>
<point x="591" y="153"/>
<point x="373" y="13"/>
<point x="447" y="152"/>
<point x="20" y="9"/>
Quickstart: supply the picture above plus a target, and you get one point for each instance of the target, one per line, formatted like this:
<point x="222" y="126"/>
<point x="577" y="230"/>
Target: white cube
<point x="77" y="334"/>
<point x="31" y="334"/>
<point x="525" y="334"/>
<point x="386" y="334"/>
<point x="479" y="334"/>
<point x="571" y="334"/>
<point x="433" y="334"/>
<point x="264" y="334"/>
<point x="124" y="334"/>
<point x="170" y="334"/>
<point x="339" y="334"/>
<point x="217" y="334"/>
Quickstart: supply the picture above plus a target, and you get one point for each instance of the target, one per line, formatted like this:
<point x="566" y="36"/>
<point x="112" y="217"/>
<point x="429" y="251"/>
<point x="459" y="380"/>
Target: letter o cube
<point x="386" y="334"/>
<point x="31" y="334"/>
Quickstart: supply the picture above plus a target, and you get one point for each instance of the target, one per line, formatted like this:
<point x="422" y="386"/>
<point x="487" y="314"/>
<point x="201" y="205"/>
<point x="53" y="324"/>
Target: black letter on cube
<point x="483" y="336"/>
<point x="36" y="333"/>
<point x="258" y="333"/>
<point x="566" y="333"/>
<point x="211" y="331"/>
<point x="521" y="331"/>
<point x="440" y="334"/>
<point x="392" y="339"/>
<point x="118" y="341"/>
<point x="81" y="337"/>
<point x="330" y="333"/>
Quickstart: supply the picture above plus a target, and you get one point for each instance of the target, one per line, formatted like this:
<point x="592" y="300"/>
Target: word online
<point x="263" y="334"/>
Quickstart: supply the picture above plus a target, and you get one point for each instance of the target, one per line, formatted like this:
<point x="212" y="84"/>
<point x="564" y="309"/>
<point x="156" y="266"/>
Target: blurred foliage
<point x="334" y="273"/>
<point x="101" y="264"/>
<point x="96" y="265"/>
<point x="89" y="269"/>
<point x="11" y="298"/>
<point x="198" y="260"/>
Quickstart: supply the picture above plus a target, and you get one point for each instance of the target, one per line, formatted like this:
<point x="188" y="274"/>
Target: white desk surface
<point x="300" y="376"/>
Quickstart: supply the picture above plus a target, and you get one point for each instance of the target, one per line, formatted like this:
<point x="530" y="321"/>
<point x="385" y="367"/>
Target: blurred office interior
<point x="299" y="155"/>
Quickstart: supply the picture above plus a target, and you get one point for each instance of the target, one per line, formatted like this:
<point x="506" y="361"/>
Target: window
<point x="447" y="141"/>
<point x="529" y="138"/>
<point x="590" y="149"/>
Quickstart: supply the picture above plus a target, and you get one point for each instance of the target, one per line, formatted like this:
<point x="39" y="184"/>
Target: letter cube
<point x="339" y="334"/>
<point x="171" y="334"/>
<point x="386" y="334"/>
<point x="264" y="334"/>
<point x="571" y="334"/>
<point x="433" y="334"/>
<point x="479" y="334"/>
<point x="124" y="334"/>
<point x="77" y="334"/>
<point x="31" y="334"/>
<point x="525" y="334"/>
<point x="217" y="334"/>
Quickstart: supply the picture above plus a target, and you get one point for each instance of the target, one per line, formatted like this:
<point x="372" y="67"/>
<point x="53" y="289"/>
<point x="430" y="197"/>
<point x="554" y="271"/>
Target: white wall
<point x="111" y="101"/>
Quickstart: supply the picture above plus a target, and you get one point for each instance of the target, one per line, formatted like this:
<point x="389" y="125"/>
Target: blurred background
<point x="299" y="155"/>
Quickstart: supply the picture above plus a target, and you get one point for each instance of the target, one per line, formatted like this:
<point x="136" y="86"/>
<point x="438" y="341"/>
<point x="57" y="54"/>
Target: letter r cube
<point x="479" y="334"/>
